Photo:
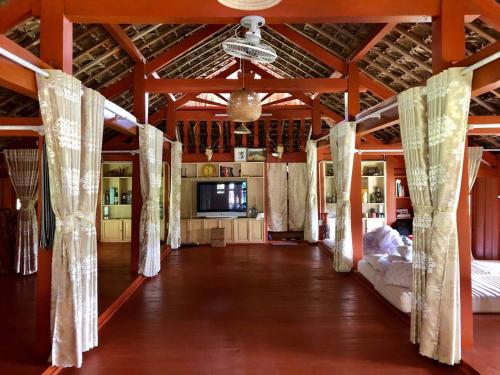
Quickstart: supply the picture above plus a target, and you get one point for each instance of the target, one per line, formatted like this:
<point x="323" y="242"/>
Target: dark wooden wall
<point x="485" y="212"/>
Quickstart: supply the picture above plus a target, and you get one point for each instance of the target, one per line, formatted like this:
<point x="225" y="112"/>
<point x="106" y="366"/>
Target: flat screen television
<point x="222" y="199"/>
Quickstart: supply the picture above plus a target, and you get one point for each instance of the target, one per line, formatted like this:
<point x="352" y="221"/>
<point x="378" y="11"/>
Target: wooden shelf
<point x="116" y="176"/>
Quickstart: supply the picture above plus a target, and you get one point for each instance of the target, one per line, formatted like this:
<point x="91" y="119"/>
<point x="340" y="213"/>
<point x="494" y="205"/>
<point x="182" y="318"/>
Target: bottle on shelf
<point x="105" y="213"/>
<point x="124" y="198"/>
<point x="106" y="197"/>
<point x="116" y="196"/>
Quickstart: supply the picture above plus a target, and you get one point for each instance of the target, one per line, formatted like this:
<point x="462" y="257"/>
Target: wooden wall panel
<point x="485" y="212"/>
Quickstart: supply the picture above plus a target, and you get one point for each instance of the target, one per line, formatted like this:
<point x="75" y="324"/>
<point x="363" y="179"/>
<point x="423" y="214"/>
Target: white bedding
<point x="485" y="287"/>
<point x="397" y="295"/>
<point x="367" y="271"/>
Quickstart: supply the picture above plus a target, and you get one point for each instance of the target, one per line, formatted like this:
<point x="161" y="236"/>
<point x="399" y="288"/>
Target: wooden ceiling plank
<point x="311" y="47"/>
<point x="376" y="35"/>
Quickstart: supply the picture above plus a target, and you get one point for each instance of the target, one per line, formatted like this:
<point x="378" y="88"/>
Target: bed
<point x="485" y="286"/>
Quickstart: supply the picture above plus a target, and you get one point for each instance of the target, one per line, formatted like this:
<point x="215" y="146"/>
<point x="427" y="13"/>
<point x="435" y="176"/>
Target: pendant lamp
<point x="244" y="106"/>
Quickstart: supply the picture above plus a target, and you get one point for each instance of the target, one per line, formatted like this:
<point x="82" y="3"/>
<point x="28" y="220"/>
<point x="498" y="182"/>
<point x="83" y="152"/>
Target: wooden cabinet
<point x="228" y="226"/>
<point x="127" y="230"/>
<point x="198" y="231"/>
<point x="255" y="230"/>
<point x="241" y="230"/>
<point x="112" y="230"/>
<point x="207" y="229"/>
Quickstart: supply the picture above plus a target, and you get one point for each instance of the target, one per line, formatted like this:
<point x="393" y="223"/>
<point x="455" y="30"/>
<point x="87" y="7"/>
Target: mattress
<point x="397" y="296"/>
<point x="367" y="271"/>
<point x="485" y="267"/>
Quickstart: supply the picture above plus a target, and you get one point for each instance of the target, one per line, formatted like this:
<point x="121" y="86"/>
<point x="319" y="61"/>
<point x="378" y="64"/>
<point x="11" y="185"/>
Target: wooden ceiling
<point x="401" y="59"/>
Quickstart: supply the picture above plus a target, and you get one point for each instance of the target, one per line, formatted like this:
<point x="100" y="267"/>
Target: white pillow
<point x="406" y="252"/>
<point x="400" y="274"/>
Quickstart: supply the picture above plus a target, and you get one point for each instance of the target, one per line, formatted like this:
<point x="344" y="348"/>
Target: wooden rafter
<point x="121" y="37"/>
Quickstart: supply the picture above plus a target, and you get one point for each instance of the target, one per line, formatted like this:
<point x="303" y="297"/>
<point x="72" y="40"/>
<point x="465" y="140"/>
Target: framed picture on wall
<point x="240" y="154"/>
<point x="256" y="154"/>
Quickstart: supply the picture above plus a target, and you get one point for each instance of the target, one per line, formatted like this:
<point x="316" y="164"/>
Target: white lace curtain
<point x="475" y="156"/>
<point x="277" y="193"/>
<point x="342" y="146"/>
<point x="297" y="195"/>
<point x="73" y="119"/>
<point x="311" y="225"/>
<point x="433" y="130"/>
<point x="22" y="165"/>
<point x="174" y="213"/>
<point x="151" y="153"/>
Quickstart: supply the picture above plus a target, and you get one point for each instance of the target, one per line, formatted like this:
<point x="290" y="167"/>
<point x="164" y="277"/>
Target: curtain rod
<point x="34" y="128"/>
<point x="115" y="109"/>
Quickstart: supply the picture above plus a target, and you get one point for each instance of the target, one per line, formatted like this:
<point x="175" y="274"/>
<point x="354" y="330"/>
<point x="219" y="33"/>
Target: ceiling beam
<point x="121" y="37"/>
<point x="13" y="13"/>
<point x="260" y="85"/>
<point x="290" y="11"/>
<point x="489" y="11"/>
<point x="376" y="35"/>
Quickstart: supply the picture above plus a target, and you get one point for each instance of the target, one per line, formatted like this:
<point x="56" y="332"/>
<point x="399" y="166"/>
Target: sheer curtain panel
<point x="151" y="150"/>
<point x="90" y="167"/>
<point x="437" y="115"/>
<point x="297" y="195"/>
<point x="174" y="213"/>
<point x="22" y="165"/>
<point x="311" y="224"/>
<point x="73" y="154"/>
<point x="475" y="156"/>
<point x="412" y="107"/>
<point x="277" y="194"/>
<point x="342" y="146"/>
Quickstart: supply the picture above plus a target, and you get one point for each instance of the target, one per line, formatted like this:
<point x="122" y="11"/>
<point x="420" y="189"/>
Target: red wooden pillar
<point x="448" y="35"/>
<point x="141" y="112"/>
<point x="464" y="248"/>
<point x="316" y="118"/>
<point x="353" y="108"/>
<point x="56" y="48"/>
<point x="171" y="129"/>
<point x="56" y="36"/>
<point x="448" y="41"/>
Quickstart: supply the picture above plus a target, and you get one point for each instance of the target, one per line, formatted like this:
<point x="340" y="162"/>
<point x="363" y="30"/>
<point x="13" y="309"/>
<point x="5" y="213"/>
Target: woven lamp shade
<point x="244" y="106"/>
<point x="249" y="4"/>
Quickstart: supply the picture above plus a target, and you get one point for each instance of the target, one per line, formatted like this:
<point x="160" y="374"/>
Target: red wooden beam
<point x="260" y="85"/>
<point x="316" y="118"/>
<point x="279" y="101"/>
<point x="376" y="35"/>
<point x="34" y="121"/>
<point x="15" y="12"/>
<point x="121" y="37"/>
<point x="290" y="11"/>
<point x="489" y="11"/>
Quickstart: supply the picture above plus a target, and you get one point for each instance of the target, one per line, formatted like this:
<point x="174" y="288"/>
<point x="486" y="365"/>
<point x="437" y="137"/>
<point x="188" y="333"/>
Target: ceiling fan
<point x="250" y="46"/>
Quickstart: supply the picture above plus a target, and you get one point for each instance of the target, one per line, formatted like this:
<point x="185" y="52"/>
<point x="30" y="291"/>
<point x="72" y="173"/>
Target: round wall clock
<point x="209" y="170"/>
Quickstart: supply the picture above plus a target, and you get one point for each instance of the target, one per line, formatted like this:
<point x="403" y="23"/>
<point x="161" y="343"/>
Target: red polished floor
<point x="17" y="308"/>
<point x="255" y="310"/>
